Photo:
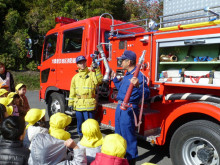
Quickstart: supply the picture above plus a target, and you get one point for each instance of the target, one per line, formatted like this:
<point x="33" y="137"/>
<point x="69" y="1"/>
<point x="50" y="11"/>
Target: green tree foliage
<point x="13" y="32"/>
<point x="98" y="7"/>
<point x="21" y="19"/>
<point x="144" y="9"/>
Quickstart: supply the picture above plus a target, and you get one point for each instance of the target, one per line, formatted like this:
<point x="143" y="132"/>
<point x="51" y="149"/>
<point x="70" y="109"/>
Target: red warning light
<point x="64" y="20"/>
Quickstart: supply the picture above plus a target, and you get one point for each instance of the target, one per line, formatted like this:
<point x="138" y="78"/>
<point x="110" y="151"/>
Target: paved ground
<point x="147" y="153"/>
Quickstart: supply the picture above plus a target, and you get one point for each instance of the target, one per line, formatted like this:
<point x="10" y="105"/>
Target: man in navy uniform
<point x="124" y="119"/>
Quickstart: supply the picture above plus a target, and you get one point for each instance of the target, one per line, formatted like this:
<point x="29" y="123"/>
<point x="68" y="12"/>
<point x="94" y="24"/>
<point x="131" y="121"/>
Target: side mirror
<point x="28" y="43"/>
<point x="28" y="46"/>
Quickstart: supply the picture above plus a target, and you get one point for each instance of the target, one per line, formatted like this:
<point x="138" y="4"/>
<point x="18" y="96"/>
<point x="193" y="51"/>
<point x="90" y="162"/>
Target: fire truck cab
<point x="69" y="39"/>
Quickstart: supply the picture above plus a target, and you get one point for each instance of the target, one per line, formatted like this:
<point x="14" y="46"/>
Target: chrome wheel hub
<point x="55" y="106"/>
<point x="199" y="151"/>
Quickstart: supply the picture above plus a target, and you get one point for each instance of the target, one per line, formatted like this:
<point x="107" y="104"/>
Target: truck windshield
<point x="72" y="41"/>
<point x="50" y="46"/>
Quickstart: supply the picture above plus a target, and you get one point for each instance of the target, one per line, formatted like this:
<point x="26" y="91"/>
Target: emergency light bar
<point x="64" y="20"/>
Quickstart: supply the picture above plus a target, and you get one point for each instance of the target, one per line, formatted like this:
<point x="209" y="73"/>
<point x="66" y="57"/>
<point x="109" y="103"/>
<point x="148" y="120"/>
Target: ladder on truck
<point x="199" y="18"/>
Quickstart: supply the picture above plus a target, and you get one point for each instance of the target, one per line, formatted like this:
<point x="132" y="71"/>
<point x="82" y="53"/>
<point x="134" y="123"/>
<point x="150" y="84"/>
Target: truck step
<point x="71" y="113"/>
<point x="108" y="105"/>
<point x="105" y="126"/>
<point x="150" y="135"/>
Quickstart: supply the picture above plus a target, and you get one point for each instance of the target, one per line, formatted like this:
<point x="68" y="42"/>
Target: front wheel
<point x="55" y="103"/>
<point x="196" y="143"/>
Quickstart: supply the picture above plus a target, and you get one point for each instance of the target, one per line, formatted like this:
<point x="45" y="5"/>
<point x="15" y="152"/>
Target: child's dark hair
<point x="41" y="123"/>
<point x="2" y="112"/>
<point x="12" y="127"/>
<point x="16" y="96"/>
<point x="23" y="86"/>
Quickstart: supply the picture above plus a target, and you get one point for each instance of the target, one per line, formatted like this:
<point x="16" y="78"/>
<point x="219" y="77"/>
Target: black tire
<point x="196" y="143"/>
<point x="56" y="103"/>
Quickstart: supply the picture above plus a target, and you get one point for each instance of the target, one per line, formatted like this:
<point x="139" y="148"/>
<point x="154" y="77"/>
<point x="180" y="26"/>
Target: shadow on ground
<point x="156" y="152"/>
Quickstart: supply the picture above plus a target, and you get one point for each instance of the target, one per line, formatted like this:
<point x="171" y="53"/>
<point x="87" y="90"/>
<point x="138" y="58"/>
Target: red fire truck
<point x="182" y="68"/>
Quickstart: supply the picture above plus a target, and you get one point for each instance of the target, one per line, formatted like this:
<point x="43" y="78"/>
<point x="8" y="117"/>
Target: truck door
<point x="48" y="64"/>
<point x="71" y="47"/>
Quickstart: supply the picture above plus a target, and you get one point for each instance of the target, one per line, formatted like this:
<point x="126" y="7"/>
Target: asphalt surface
<point x="147" y="153"/>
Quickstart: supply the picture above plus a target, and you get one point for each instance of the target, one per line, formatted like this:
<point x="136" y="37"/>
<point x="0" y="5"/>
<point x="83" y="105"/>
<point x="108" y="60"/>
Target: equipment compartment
<point x="193" y="61"/>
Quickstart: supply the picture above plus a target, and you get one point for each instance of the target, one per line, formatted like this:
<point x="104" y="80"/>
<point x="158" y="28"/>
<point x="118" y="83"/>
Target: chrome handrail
<point x="100" y="25"/>
<point x="131" y="22"/>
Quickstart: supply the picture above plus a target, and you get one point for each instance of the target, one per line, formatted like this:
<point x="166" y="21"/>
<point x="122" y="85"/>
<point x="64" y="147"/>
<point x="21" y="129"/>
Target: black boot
<point x="132" y="162"/>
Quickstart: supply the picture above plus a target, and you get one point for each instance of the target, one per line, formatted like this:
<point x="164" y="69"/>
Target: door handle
<point x="52" y="70"/>
<point x="191" y="42"/>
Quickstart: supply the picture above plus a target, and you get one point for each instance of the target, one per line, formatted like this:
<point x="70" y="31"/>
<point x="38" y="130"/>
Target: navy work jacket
<point x="136" y="94"/>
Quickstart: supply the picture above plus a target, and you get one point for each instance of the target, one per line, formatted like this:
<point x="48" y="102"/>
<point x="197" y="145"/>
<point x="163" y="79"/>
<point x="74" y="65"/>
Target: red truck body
<point x="184" y="105"/>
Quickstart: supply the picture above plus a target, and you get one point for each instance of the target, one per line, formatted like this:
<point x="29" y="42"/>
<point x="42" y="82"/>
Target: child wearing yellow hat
<point x="36" y="124"/>
<point x="113" y="151"/>
<point x="21" y="90"/>
<point x="92" y="139"/>
<point x="58" y="123"/>
<point x="15" y="103"/>
<point x="35" y="117"/>
<point x="6" y="102"/>
<point x="3" y="92"/>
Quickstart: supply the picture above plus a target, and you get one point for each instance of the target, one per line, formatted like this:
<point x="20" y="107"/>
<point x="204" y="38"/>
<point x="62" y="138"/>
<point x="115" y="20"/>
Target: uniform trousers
<point x="82" y="116"/>
<point x="125" y="126"/>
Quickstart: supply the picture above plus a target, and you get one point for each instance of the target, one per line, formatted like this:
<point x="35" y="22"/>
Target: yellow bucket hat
<point x="19" y="86"/>
<point x="114" y="145"/>
<point x="5" y="101"/>
<point x="3" y="91"/>
<point x="60" y="120"/>
<point x="59" y="133"/>
<point x="11" y="95"/>
<point x="34" y="115"/>
<point x="92" y="136"/>
<point x="9" y="110"/>
<point x="148" y="164"/>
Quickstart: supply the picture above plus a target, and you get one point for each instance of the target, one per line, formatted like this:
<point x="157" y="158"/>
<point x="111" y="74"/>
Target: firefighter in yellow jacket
<point x="82" y="92"/>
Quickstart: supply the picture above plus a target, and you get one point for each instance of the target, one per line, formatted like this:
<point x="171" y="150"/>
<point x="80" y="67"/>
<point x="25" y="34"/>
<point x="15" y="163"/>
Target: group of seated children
<point x="54" y="146"/>
<point x="34" y="144"/>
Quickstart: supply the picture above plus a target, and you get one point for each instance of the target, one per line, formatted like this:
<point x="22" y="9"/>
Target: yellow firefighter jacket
<point x="82" y="89"/>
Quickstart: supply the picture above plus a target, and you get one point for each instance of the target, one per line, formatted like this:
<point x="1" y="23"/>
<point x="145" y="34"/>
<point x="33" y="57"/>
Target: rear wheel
<point x="55" y="103"/>
<point x="196" y="143"/>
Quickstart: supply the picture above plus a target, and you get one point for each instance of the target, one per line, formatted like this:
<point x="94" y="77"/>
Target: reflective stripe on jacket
<point x="82" y="89"/>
